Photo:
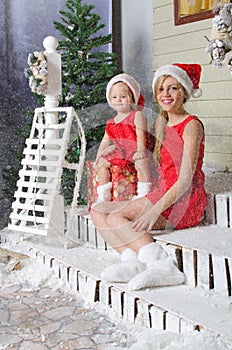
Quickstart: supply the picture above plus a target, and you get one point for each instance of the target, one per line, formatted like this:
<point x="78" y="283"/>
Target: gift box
<point x="124" y="182"/>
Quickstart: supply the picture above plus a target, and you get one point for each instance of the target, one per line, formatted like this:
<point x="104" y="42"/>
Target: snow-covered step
<point x="178" y="309"/>
<point x="203" y="253"/>
<point x="206" y="256"/>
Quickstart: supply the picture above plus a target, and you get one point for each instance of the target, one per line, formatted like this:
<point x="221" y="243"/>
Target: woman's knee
<point x="113" y="219"/>
<point x="96" y="216"/>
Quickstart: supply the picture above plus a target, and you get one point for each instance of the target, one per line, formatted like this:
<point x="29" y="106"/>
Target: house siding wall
<point x="186" y="44"/>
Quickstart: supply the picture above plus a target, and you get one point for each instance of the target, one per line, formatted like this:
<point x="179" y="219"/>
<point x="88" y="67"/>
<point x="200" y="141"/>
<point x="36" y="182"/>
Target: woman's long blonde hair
<point x="160" y="123"/>
<point x="161" y="120"/>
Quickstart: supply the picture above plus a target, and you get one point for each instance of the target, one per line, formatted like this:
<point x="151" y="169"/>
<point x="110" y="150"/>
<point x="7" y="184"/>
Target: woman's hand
<point x="146" y="221"/>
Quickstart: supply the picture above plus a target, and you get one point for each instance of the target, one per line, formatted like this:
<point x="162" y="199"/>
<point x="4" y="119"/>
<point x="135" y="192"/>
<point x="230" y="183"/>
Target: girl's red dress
<point x="189" y="209"/>
<point x="123" y="135"/>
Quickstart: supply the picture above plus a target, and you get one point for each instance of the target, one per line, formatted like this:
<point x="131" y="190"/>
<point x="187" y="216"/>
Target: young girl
<point x="178" y="199"/>
<point x="127" y="135"/>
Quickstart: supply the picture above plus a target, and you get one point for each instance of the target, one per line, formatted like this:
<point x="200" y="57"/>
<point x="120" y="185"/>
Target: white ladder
<point x="38" y="188"/>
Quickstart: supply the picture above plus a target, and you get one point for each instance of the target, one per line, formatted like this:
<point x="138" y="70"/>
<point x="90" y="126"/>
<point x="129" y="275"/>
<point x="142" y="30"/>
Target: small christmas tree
<point x="86" y="68"/>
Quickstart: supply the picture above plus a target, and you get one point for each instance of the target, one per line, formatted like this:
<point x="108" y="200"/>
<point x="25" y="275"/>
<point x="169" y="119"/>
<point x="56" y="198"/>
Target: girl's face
<point x="170" y="95"/>
<point x="121" y="97"/>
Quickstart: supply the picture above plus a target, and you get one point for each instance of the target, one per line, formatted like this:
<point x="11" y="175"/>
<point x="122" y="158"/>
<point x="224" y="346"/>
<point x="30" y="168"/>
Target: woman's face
<point x="120" y="97"/>
<point x="170" y="95"/>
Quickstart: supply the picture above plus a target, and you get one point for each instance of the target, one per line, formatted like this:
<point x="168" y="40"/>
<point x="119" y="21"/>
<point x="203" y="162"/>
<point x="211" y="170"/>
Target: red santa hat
<point x="133" y="86"/>
<point x="188" y="76"/>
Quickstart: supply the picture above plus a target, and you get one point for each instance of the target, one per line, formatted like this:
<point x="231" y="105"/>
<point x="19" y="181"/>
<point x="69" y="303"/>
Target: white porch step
<point x="204" y="254"/>
<point x="178" y="309"/>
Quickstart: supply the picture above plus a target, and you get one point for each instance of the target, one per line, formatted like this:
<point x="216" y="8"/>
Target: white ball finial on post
<point x="50" y="44"/>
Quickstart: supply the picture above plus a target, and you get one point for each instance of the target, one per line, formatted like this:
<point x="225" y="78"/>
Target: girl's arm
<point x="192" y="137"/>
<point x="105" y="142"/>
<point x="141" y="129"/>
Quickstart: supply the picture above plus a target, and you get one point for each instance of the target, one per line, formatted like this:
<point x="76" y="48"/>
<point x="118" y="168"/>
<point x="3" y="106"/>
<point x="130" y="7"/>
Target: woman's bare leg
<point x="114" y="222"/>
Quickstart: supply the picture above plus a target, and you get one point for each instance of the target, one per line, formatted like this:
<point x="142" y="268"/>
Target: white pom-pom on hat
<point x="131" y="83"/>
<point x="187" y="74"/>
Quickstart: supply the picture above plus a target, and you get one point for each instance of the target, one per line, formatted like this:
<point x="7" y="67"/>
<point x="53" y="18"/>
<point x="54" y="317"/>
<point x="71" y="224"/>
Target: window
<point x="186" y="11"/>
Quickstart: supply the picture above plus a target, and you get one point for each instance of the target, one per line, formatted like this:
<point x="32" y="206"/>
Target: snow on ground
<point x="144" y="339"/>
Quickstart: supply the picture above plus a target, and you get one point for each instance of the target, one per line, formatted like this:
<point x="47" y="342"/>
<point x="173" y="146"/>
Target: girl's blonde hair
<point x="161" y="120"/>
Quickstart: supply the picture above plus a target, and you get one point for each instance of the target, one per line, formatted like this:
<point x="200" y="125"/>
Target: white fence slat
<point x="219" y="273"/>
<point x="42" y="208"/>
<point x="56" y="268"/>
<point x="34" y="219"/>
<point x="101" y="244"/>
<point x="38" y="173"/>
<point x="46" y="142"/>
<point x="116" y="301"/>
<point x="172" y="322"/>
<point x="129" y="307"/>
<point x="42" y="163"/>
<point x="39" y="185"/>
<point x="87" y="286"/>
<point x="189" y="266"/>
<point x="186" y="326"/>
<point x="221" y="210"/>
<point x="30" y="195"/>
<point x="158" y="316"/>
<point x="104" y="293"/>
<point x="202" y="269"/>
<point x="28" y="229"/>
<point x="143" y="315"/>
<point x="91" y="234"/>
<point x="83" y="228"/>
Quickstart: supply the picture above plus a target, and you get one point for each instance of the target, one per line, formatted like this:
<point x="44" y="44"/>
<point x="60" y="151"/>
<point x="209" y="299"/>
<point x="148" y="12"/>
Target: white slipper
<point x="162" y="273"/>
<point x="122" y="272"/>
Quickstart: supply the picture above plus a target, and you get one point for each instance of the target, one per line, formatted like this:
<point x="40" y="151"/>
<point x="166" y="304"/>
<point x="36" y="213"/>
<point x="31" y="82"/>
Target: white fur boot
<point x="143" y="188"/>
<point x="104" y="193"/>
<point x="123" y="271"/>
<point x="161" y="269"/>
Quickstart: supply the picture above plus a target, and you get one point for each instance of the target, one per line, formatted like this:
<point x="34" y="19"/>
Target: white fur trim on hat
<point x="180" y="75"/>
<point x="128" y="80"/>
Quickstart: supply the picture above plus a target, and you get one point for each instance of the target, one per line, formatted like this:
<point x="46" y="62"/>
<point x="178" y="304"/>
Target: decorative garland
<point x="37" y="72"/>
<point x="220" y="44"/>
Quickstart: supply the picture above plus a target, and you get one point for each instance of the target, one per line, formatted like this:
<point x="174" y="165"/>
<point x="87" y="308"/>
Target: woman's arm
<point x="192" y="137"/>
